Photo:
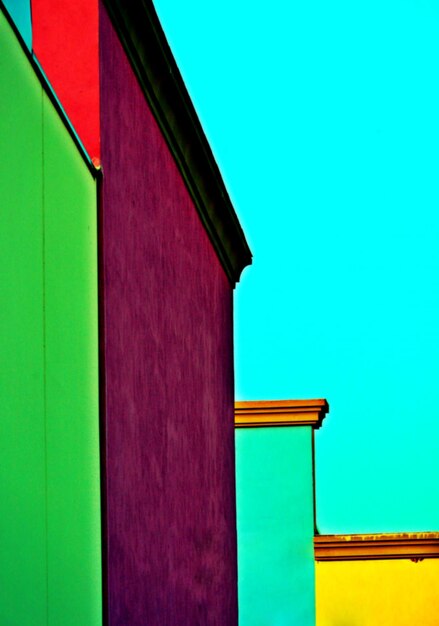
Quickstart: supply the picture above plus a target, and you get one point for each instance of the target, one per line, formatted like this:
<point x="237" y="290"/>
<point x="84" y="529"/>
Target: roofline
<point x="139" y="30"/>
<point x="260" y="413"/>
<point x="50" y="92"/>
<point x="414" y="546"/>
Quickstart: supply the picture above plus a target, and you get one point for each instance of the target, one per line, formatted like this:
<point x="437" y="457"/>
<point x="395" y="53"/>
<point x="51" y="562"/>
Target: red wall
<point x="169" y="377"/>
<point x="65" y="42"/>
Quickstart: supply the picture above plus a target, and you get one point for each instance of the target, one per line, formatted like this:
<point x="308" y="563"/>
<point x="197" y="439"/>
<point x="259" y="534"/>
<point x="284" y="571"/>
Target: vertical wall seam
<point x="43" y="220"/>
<point x="102" y="399"/>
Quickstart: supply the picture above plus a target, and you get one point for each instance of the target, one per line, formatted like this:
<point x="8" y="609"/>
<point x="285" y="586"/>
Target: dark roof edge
<point x="145" y="44"/>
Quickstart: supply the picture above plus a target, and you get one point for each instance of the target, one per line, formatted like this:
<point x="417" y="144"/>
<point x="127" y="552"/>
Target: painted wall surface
<point x="367" y="593"/>
<point x="20" y="11"/>
<point x="50" y="565"/>
<point x="169" y="377"/>
<point x="275" y="513"/>
<point x="65" y="42"/>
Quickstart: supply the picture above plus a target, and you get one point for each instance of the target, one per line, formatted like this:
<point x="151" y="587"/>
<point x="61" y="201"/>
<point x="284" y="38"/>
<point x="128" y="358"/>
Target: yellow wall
<point x="377" y="593"/>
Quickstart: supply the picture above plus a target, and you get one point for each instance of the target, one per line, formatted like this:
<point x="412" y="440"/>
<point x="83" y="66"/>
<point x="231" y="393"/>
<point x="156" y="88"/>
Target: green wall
<point x="275" y="526"/>
<point x="50" y="546"/>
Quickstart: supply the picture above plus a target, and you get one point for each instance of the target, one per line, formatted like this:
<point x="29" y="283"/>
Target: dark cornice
<point x="414" y="546"/>
<point x="139" y="30"/>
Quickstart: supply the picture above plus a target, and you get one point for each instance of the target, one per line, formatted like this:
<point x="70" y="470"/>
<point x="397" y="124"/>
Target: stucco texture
<point x="168" y="363"/>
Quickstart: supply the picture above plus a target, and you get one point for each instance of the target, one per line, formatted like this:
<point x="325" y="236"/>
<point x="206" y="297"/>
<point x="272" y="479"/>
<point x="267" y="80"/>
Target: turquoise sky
<point x="20" y="12"/>
<point x="324" y="119"/>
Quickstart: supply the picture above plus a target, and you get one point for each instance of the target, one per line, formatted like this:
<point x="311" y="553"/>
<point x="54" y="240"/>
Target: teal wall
<point x="275" y="518"/>
<point x="50" y="561"/>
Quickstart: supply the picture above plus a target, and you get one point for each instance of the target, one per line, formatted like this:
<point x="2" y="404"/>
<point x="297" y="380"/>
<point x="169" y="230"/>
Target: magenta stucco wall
<point x="168" y="360"/>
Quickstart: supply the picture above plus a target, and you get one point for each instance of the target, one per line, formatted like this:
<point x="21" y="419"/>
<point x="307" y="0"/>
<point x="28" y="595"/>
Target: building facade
<point x="120" y="252"/>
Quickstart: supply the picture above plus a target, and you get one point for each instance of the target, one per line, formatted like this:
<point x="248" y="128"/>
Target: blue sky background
<point x="20" y="12"/>
<point x="324" y="119"/>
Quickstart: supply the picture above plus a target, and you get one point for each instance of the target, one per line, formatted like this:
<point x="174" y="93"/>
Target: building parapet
<point x="261" y="413"/>
<point x="414" y="546"/>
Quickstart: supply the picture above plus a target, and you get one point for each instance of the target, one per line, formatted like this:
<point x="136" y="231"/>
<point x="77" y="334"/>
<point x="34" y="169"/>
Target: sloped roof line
<point x="140" y="32"/>
<point x="49" y="91"/>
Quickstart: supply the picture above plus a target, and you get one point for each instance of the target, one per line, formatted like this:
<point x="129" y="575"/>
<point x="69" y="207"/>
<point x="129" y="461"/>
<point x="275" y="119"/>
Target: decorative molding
<point x="280" y="413"/>
<point x="139" y="30"/>
<point x="414" y="546"/>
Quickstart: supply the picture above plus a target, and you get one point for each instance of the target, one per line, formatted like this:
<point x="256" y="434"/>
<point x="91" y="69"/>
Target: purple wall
<point x="169" y="377"/>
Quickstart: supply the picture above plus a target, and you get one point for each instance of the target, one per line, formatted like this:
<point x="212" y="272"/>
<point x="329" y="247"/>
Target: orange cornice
<point x="280" y="413"/>
<point x="414" y="546"/>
